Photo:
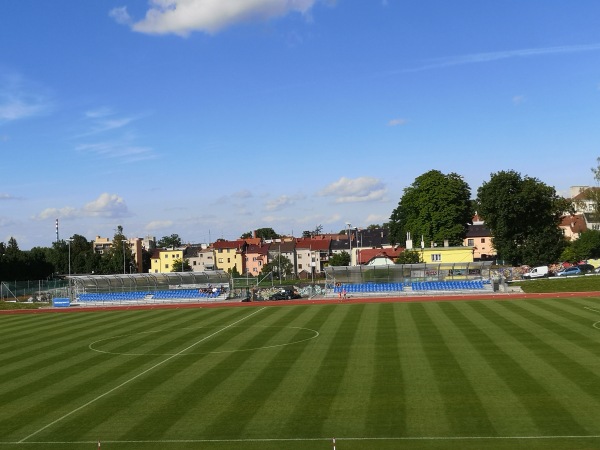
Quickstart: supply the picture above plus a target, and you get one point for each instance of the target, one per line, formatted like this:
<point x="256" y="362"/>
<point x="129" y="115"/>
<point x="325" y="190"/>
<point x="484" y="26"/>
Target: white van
<point x="536" y="272"/>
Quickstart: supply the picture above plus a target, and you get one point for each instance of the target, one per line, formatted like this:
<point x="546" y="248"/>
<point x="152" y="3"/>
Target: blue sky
<point x="210" y="118"/>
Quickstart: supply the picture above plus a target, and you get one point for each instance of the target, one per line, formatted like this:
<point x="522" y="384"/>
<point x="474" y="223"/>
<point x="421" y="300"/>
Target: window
<point x="220" y="260"/>
<point x="470" y="242"/>
<point x="299" y="256"/>
<point x="483" y="240"/>
<point x="299" y="266"/>
<point x="167" y="256"/>
<point x="166" y="266"/>
<point x="436" y="257"/>
<point x="260" y="263"/>
<point x="194" y="262"/>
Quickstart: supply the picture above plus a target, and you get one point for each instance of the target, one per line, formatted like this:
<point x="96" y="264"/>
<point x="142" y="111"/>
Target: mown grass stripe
<point x="464" y="410"/>
<point x="462" y="334"/>
<point x="74" y="430"/>
<point x="274" y="415"/>
<point x="386" y="410"/>
<point x="527" y="371"/>
<point x="312" y="410"/>
<point x="213" y="370"/>
<point x="41" y="370"/>
<point x="263" y="379"/>
<point x="425" y="410"/>
<point x="349" y="410"/>
<point x="80" y="377"/>
<point x="558" y="346"/>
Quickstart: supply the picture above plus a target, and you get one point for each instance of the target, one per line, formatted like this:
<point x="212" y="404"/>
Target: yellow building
<point x="447" y="254"/>
<point x="162" y="260"/>
<point x="230" y="254"/>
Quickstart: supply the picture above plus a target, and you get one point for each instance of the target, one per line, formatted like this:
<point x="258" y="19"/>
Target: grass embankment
<point x="21" y="305"/>
<point x="586" y="283"/>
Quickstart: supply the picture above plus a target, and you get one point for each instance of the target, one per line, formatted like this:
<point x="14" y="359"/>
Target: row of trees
<point x="75" y="255"/>
<point x="522" y="213"/>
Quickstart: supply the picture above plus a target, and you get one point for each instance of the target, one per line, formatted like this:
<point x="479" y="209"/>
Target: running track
<point x="229" y="304"/>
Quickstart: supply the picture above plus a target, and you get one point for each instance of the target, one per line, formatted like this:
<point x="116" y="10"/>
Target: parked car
<point x="285" y="294"/>
<point x="569" y="271"/>
<point x="536" y="272"/>
<point x="586" y="268"/>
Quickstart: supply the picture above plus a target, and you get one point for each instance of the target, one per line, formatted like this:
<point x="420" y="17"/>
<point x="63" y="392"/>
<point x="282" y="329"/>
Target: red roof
<point x="313" y="244"/>
<point x="368" y="254"/>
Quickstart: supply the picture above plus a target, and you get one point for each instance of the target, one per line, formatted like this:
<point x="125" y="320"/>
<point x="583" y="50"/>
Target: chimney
<point x="446" y="243"/>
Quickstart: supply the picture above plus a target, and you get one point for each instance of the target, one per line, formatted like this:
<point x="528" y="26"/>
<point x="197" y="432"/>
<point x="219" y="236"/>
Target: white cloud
<point x="66" y="212"/>
<point x="518" y="99"/>
<point x="476" y="58"/>
<point x="281" y="202"/>
<point x="158" y="225"/>
<point x="106" y="205"/>
<point x="5" y="196"/>
<point x="121" y="15"/>
<point x="396" y="122"/>
<point x="362" y="189"/>
<point x="20" y="99"/>
<point x="182" y="17"/>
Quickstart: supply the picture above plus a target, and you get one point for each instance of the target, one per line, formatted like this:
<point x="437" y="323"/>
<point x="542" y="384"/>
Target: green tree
<point x="435" y="206"/>
<point x="180" y="265"/>
<point x="172" y="241"/>
<point x="266" y="233"/>
<point x="593" y="194"/>
<point x="280" y="265"/>
<point x="118" y="258"/>
<point x="587" y="246"/>
<point x="409" y="257"/>
<point x="523" y="215"/>
<point x="340" y="259"/>
<point x="246" y="235"/>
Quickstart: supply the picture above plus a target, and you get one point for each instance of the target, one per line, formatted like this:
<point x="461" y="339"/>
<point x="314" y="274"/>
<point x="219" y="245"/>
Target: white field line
<point x="138" y="375"/>
<point x="406" y="438"/>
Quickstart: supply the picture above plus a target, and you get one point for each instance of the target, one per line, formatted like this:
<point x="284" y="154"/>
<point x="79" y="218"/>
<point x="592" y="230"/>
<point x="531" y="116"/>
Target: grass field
<point x="506" y="374"/>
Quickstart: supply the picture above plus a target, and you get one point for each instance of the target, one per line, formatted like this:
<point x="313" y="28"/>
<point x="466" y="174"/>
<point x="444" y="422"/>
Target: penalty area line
<point x="137" y="376"/>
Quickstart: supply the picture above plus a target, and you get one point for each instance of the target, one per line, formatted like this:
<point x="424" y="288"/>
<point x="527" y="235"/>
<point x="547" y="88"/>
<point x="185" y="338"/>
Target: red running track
<point x="352" y="300"/>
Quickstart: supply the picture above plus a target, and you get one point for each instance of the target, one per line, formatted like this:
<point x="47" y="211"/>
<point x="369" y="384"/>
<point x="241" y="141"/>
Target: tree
<point x="587" y="246"/>
<point x="280" y="265"/>
<point x="172" y="241"/>
<point x="593" y="194"/>
<point x="266" y="233"/>
<point x="523" y="215"/>
<point x="180" y="265"/>
<point x="340" y="259"/>
<point x="246" y="235"/>
<point x="409" y="257"/>
<point x="436" y="206"/>
<point x="118" y="258"/>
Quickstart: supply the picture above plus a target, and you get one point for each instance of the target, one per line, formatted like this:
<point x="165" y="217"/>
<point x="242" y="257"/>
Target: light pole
<point x="349" y="241"/>
<point x="69" y="278"/>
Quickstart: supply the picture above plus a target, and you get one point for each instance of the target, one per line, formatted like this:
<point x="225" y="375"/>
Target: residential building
<point x="200" y="257"/>
<point x="284" y="248"/>
<point x="573" y="225"/>
<point x="311" y="256"/>
<point x="256" y="257"/>
<point x="378" y="256"/>
<point x="230" y="255"/>
<point x="162" y="260"/>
